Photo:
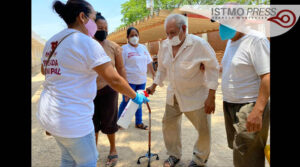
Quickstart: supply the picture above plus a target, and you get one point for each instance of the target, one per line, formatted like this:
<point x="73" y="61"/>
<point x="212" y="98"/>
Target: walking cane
<point x="148" y="155"/>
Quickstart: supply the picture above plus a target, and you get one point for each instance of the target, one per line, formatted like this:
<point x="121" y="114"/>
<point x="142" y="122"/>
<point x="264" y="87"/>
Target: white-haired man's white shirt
<point x="186" y="81"/>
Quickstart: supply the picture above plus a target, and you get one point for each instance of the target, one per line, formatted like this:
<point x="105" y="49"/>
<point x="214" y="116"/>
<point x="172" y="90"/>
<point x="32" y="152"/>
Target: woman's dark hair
<point x="129" y="30"/>
<point x="69" y="11"/>
<point x="99" y="16"/>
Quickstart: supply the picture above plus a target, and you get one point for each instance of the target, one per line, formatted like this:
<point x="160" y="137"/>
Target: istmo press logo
<point x="272" y="20"/>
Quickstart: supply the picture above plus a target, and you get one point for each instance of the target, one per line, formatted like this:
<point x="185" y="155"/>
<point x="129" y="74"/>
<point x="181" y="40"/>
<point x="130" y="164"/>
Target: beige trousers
<point x="172" y="132"/>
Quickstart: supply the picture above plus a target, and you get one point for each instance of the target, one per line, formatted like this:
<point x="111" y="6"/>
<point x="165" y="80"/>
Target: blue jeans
<point x="78" y="152"/>
<point x="138" y="113"/>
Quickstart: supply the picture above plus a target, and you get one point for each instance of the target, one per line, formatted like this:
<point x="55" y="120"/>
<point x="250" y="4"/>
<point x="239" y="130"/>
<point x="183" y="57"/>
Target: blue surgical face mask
<point x="226" y="32"/>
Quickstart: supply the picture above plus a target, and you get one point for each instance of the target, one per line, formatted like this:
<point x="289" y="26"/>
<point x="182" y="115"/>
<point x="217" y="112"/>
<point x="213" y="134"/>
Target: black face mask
<point x="101" y="35"/>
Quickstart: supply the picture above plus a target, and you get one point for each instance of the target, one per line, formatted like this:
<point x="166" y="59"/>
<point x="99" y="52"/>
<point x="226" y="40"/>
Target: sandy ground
<point x="132" y="143"/>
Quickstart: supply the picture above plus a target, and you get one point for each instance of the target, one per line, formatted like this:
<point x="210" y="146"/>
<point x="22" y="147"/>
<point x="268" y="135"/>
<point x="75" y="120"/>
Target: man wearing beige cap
<point x="190" y="90"/>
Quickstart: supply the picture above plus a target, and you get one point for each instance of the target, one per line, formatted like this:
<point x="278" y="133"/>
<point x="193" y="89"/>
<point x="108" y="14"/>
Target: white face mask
<point x="175" y="40"/>
<point x="134" y="40"/>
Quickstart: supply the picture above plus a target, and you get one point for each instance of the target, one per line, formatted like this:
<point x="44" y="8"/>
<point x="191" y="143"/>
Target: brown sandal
<point x="142" y="126"/>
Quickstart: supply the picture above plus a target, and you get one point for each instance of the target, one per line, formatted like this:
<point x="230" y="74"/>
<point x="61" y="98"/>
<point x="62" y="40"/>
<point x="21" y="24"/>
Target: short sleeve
<point x="116" y="48"/>
<point x="261" y="56"/>
<point x="96" y="55"/>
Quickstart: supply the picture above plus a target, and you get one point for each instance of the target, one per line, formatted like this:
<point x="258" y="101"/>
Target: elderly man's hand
<point x="209" y="105"/>
<point x="150" y="90"/>
<point x="254" y="121"/>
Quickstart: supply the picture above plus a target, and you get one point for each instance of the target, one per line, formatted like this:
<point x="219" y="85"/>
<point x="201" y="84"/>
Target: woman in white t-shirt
<point x="137" y="61"/>
<point x="72" y="60"/>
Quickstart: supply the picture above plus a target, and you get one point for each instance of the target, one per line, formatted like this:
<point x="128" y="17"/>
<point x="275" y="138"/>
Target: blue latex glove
<point x="140" y="99"/>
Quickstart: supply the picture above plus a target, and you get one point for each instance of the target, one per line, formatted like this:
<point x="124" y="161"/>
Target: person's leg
<point x="96" y="137"/>
<point x="201" y="121"/>
<point x="66" y="158"/>
<point x="139" y="113"/>
<point x="124" y="103"/>
<point x="230" y="118"/>
<point x="112" y="142"/>
<point x="113" y="154"/>
<point x="171" y="127"/>
<point x="248" y="147"/>
<point x="96" y="116"/>
<point x="109" y="112"/>
<point x="113" y="127"/>
<point x="83" y="150"/>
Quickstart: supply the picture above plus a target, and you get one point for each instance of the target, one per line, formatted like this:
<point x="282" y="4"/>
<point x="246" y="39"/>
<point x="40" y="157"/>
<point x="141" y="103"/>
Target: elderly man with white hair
<point x="190" y="90"/>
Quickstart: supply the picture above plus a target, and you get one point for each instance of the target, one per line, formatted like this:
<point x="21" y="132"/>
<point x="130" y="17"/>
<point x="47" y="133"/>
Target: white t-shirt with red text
<point x="135" y="61"/>
<point x="66" y="103"/>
